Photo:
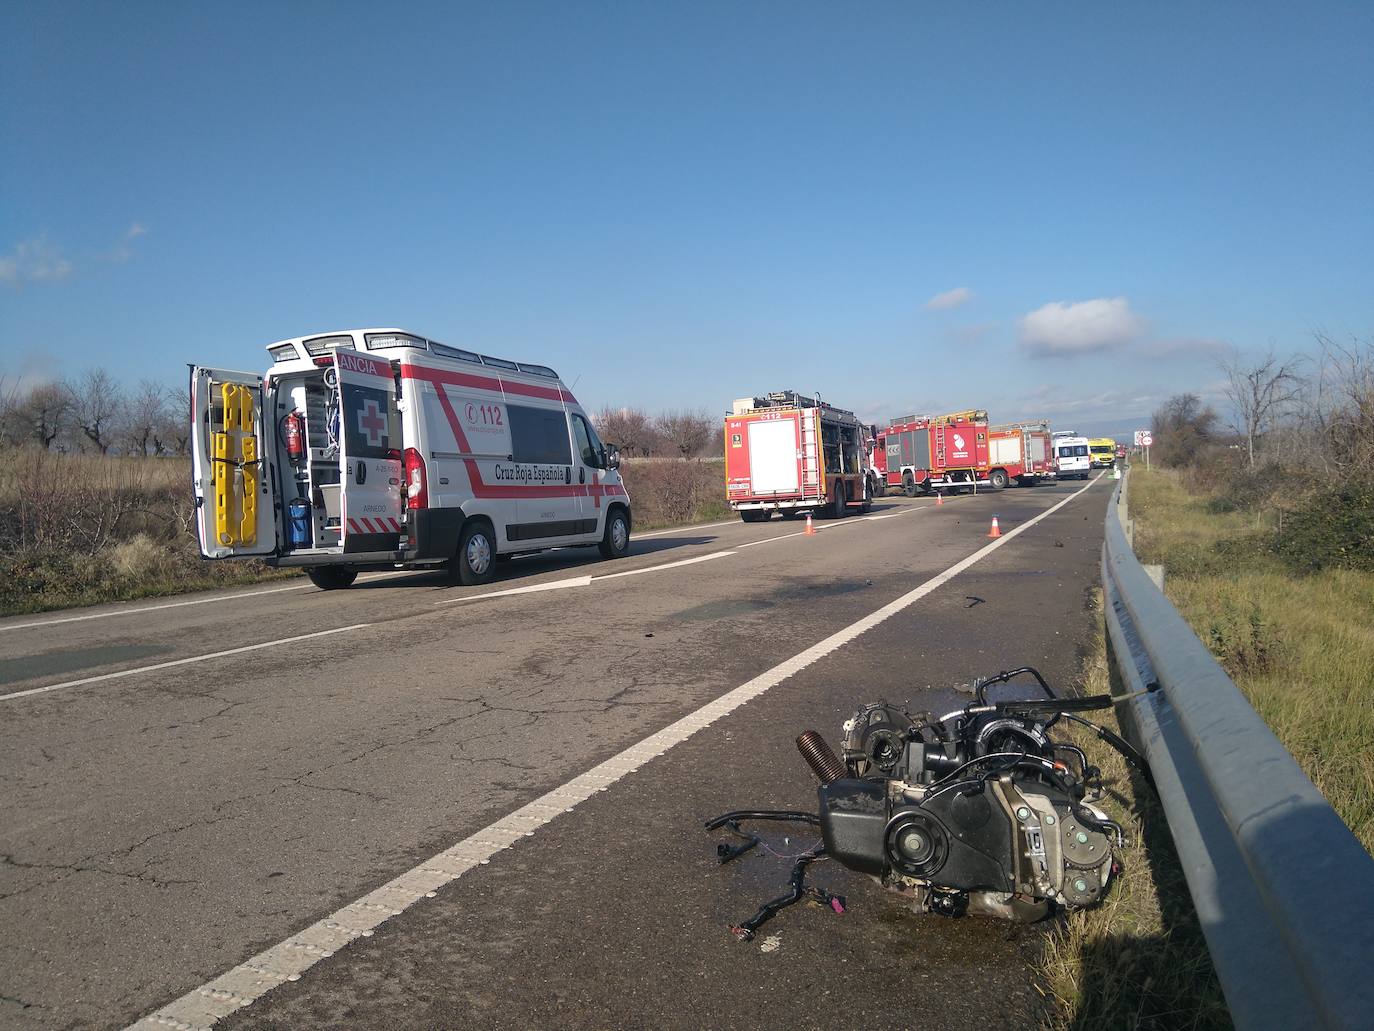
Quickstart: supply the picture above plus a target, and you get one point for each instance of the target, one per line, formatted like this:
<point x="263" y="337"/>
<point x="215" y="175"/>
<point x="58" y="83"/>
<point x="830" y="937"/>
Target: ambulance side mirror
<point x="610" y="458"/>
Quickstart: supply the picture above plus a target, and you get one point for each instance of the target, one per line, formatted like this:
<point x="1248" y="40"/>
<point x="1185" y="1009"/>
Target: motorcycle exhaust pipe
<point x="820" y="757"/>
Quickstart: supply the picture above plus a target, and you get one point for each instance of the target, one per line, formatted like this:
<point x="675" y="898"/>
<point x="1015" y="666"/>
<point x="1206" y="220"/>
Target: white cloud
<point x="1080" y="327"/>
<point x="950" y="299"/>
<point x="34" y="261"/>
<point x="122" y="252"/>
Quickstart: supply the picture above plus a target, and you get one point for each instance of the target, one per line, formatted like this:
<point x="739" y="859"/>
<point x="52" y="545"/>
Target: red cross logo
<point x="371" y="423"/>
<point x="596" y="489"/>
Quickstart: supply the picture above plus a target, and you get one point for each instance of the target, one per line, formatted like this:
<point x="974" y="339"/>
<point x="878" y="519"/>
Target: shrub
<point x="1333" y="529"/>
<point x="667" y="491"/>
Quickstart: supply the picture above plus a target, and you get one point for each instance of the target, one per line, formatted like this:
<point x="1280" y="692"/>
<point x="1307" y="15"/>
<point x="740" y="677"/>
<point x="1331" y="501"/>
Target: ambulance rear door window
<point x="371" y="424"/>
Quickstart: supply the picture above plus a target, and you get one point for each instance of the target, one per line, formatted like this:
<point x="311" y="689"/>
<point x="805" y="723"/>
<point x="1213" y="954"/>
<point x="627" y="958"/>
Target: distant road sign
<point x="1143" y="438"/>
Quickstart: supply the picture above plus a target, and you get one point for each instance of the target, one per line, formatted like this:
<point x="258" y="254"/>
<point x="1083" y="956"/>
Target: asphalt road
<point x="192" y="781"/>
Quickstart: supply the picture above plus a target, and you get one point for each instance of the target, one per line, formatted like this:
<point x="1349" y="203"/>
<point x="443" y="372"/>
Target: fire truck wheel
<point x="754" y="515"/>
<point x="475" y="562"/>
<point x="331" y="578"/>
<point x="879" y="487"/>
<point x="998" y="479"/>
<point x="615" y="542"/>
<point x="909" y="486"/>
<point x="839" y="509"/>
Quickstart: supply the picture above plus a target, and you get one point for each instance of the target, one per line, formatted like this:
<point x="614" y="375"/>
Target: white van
<point x="1071" y="457"/>
<point x="377" y="448"/>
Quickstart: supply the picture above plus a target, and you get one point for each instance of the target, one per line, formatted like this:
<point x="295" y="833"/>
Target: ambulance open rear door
<point x="231" y="477"/>
<point x="370" y="456"/>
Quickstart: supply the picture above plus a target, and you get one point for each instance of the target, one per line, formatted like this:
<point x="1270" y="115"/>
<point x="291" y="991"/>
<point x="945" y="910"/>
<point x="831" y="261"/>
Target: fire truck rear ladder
<point x="811" y="450"/>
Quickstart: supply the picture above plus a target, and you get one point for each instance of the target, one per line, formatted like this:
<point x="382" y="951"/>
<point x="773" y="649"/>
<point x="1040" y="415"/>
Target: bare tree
<point x="630" y="429"/>
<point x="1338" y="407"/>
<point x="47" y="410"/>
<point x="11" y="423"/>
<point x="1182" y="425"/>
<point x="173" y="434"/>
<point x="1261" y="392"/>
<point x="144" y="414"/>
<point x="97" y="403"/>
<point x="687" y="432"/>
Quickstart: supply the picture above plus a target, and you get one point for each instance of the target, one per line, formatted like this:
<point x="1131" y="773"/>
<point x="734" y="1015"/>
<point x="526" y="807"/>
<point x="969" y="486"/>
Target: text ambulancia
<point x="381" y="449"/>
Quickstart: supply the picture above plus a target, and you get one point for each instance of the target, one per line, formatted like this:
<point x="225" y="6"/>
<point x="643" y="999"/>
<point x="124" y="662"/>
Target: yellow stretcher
<point x="236" y="475"/>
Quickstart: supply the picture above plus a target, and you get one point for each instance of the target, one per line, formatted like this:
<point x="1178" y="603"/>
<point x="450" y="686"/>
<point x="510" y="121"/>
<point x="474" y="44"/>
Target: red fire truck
<point x="794" y="454"/>
<point x="945" y="452"/>
<point x="957" y="452"/>
<point x="1019" y="451"/>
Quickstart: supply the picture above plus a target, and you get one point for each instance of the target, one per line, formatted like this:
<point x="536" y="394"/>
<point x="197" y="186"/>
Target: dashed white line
<point x="552" y="585"/>
<point x="666" y="565"/>
<point x="685" y="529"/>
<point x="244" y="984"/>
<point x="150" y="608"/>
<point x="179" y="662"/>
<point x="182" y="604"/>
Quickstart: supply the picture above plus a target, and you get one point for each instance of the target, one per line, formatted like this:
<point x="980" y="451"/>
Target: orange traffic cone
<point x="939" y="499"/>
<point x="810" y="530"/>
<point x="995" y="531"/>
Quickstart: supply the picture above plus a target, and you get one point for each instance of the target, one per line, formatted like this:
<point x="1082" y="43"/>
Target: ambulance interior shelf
<point x="314" y="472"/>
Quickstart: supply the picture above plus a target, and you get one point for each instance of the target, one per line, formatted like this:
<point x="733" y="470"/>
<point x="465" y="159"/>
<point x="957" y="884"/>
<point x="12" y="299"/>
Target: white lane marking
<point x="666" y="565"/>
<point x="193" y="601"/>
<point x="553" y="585"/>
<point x="151" y="608"/>
<point x="286" y="961"/>
<point x="685" y="529"/>
<point x="770" y="540"/>
<point x="180" y="662"/>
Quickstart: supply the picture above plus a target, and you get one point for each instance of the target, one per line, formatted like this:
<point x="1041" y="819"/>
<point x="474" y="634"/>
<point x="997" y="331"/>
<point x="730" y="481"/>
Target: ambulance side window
<point x="538" y="436"/>
<point x="588" y="444"/>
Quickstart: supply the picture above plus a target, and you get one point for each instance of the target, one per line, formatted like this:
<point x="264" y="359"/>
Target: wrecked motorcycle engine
<point x="978" y="811"/>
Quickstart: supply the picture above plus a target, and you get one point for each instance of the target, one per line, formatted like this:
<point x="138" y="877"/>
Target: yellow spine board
<point x="219" y="472"/>
<point x="236" y="506"/>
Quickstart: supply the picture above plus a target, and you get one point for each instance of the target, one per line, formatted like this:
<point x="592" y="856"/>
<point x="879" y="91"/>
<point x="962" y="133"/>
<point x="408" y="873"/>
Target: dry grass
<point x="1301" y="647"/>
<point x="1138" y="960"/>
<point x="86" y="529"/>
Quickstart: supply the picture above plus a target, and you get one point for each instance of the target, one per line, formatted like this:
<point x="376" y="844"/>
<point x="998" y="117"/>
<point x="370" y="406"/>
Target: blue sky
<point x="1057" y="209"/>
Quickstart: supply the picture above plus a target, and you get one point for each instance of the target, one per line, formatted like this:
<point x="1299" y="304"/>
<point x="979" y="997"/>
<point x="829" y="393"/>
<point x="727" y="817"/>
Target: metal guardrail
<point x="1284" y="891"/>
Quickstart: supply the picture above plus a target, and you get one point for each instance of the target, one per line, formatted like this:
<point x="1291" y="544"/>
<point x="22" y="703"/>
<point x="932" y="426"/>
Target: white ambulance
<point x="1071" y="457"/>
<point x="380" y="449"/>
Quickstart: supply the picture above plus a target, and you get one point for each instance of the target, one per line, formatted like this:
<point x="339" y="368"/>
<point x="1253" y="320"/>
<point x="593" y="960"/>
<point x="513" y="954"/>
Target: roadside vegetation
<point x="1139" y="960"/>
<point x="95" y="496"/>
<point x="1267" y="540"/>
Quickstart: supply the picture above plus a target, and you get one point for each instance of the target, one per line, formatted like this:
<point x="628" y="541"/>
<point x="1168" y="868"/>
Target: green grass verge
<point x="1299" y="645"/>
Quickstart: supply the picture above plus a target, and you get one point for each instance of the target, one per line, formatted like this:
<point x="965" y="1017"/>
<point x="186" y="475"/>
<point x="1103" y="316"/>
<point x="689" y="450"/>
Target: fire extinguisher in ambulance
<point x="295" y="439"/>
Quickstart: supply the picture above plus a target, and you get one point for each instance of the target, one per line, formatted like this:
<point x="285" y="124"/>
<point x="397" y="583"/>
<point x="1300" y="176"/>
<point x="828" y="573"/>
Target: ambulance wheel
<point x="615" y="542"/>
<point x="331" y="578"/>
<point x="998" y="479"/>
<point x="475" y="562"/>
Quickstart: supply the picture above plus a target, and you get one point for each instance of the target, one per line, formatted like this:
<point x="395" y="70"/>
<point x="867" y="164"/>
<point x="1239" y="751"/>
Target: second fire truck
<point x="959" y="451"/>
